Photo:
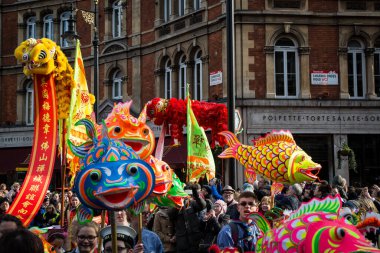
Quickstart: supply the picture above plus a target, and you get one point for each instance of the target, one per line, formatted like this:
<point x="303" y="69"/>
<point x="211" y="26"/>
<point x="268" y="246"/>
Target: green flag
<point x="200" y="161"/>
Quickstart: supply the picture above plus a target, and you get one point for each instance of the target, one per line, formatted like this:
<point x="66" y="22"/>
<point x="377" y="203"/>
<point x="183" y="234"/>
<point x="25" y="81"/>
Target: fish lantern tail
<point x="232" y="142"/>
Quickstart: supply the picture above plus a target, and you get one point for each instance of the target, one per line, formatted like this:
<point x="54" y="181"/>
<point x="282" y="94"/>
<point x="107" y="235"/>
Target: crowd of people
<point x="213" y="214"/>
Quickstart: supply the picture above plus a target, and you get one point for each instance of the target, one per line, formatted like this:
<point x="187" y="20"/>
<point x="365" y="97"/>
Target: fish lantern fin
<point x="275" y="136"/>
<point x="84" y="214"/>
<point x="260" y="221"/>
<point x="81" y="150"/>
<point x="90" y="128"/>
<point x="328" y="205"/>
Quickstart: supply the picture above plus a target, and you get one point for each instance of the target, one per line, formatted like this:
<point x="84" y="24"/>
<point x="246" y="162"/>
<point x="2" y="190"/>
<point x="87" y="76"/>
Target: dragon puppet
<point x="112" y="176"/>
<point x="43" y="57"/>
<point x="315" y="227"/>
<point x="275" y="156"/>
<point x="173" y="112"/>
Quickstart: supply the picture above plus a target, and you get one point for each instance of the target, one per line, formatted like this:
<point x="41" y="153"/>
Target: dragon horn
<point x="127" y="107"/>
<point x="142" y="117"/>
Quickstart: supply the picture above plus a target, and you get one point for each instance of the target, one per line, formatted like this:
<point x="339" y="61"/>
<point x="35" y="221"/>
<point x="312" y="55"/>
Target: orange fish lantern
<point x="132" y="131"/>
<point x="275" y="156"/>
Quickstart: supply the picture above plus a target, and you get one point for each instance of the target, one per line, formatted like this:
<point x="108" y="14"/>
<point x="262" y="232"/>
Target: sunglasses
<point x="248" y="203"/>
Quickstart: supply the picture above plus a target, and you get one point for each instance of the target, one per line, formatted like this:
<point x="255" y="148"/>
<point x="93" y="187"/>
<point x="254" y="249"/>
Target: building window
<point x="356" y="69"/>
<point x="29" y="102"/>
<point x="197" y="4"/>
<point x="198" y="75"/>
<point x="167" y="9"/>
<point x="117" y="17"/>
<point x="286" y="68"/>
<point x="48" y="31"/>
<point x="31" y="28"/>
<point x="377" y="68"/>
<point x="65" y="27"/>
<point x="356" y="5"/>
<point x="182" y="77"/>
<point x="168" y="79"/>
<point x="117" y="85"/>
<point x="181" y="7"/>
<point x="291" y="4"/>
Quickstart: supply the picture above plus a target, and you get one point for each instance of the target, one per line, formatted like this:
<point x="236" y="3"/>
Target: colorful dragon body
<point x="112" y="176"/>
<point x="44" y="57"/>
<point x="315" y="227"/>
<point x="275" y="156"/>
<point x="173" y="112"/>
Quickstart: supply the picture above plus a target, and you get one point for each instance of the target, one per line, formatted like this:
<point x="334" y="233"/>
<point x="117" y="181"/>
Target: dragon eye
<point x="95" y="175"/>
<point x="146" y="131"/>
<point x="340" y="233"/>
<point x="25" y="57"/>
<point x="117" y="129"/>
<point x="132" y="169"/>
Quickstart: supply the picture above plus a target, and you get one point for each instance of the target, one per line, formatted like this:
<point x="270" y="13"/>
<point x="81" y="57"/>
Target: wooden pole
<point x="113" y="231"/>
<point x="63" y="172"/>
<point x="140" y="227"/>
<point x="103" y="218"/>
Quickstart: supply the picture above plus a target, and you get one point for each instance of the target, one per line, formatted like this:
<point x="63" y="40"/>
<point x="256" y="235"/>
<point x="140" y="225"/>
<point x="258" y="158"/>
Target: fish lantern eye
<point x="95" y="175"/>
<point x="132" y="169"/>
<point x="164" y="168"/>
<point x="340" y="233"/>
<point x="117" y="129"/>
<point x="146" y="131"/>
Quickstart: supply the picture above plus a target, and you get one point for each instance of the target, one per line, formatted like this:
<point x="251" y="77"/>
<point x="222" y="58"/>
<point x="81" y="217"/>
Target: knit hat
<point x="222" y="204"/>
<point x="247" y="187"/>
<point x="124" y="233"/>
<point x="297" y="189"/>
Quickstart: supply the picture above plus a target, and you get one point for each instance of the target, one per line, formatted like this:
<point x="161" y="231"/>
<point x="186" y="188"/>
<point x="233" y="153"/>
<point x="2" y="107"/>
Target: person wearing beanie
<point x="339" y="183"/>
<point x="125" y="239"/>
<point x="213" y="221"/>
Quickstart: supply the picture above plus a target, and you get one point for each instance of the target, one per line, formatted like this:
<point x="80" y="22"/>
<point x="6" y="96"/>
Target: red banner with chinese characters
<point x="41" y="165"/>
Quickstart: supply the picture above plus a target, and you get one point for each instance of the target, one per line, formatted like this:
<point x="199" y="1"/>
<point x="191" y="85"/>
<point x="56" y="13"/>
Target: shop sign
<point x="216" y="78"/>
<point x="324" y="77"/>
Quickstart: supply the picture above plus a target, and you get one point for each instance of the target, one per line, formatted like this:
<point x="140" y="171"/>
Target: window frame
<point x="197" y="4"/>
<point x="168" y="79"/>
<point x="285" y="50"/>
<point x="64" y="26"/>
<point x="198" y="84"/>
<point x="117" y="9"/>
<point x="117" y="85"/>
<point x="167" y="10"/>
<point x="29" y="103"/>
<point x="356" y="51"/>
<point x="48" y="24"/>
<point x="182" y="79"/>
<point x="181" y="7"/>
<point x="31" y="27"/>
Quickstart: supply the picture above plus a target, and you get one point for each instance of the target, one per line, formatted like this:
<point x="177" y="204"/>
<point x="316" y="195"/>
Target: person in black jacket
<point x="188" y="227"/>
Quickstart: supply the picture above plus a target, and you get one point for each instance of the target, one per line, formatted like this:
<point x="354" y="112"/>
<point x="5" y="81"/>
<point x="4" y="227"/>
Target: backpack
<point x="235" y="235"/>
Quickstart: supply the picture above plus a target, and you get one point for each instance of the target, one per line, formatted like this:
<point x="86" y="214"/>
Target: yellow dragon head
<point x="44" y="57"/>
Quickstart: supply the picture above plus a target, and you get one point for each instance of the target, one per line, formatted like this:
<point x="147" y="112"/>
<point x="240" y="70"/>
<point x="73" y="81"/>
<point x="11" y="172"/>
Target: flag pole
<point x="63" y="172"/>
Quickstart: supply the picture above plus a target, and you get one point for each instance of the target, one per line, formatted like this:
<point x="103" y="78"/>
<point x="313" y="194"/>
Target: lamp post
<point x="70" y="35"/>
<point x="231" y="82"/>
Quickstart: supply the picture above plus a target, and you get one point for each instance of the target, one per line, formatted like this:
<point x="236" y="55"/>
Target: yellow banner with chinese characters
<point x="32" y="193"/>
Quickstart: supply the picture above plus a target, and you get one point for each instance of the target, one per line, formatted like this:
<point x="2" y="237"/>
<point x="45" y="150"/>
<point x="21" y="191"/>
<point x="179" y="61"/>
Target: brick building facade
<point x="309" y="66"/>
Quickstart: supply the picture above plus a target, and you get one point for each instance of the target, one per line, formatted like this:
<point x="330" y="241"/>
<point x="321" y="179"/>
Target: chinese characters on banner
<point x="41" y="166"/>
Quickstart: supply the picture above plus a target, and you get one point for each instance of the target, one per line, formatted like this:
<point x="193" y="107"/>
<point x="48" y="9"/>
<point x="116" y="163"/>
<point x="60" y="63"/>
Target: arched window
<point x="167" y="9"/>
<point x="198" y="75"/>
<point x="117" y="85"/>
<point x="182" y="77"/>
<point x="377" y="67"/>
<point x="181" y="7"/>
<point x="168" y="79"/>
<point x="117" y="17"/>
<point x="286" y="68"/>
<point x="356" y="69"/>
<point x="29" y="103"/>
<point x="31" y="27"/>
<point x="64" y="27"/>
<point x="48" y="31"/>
